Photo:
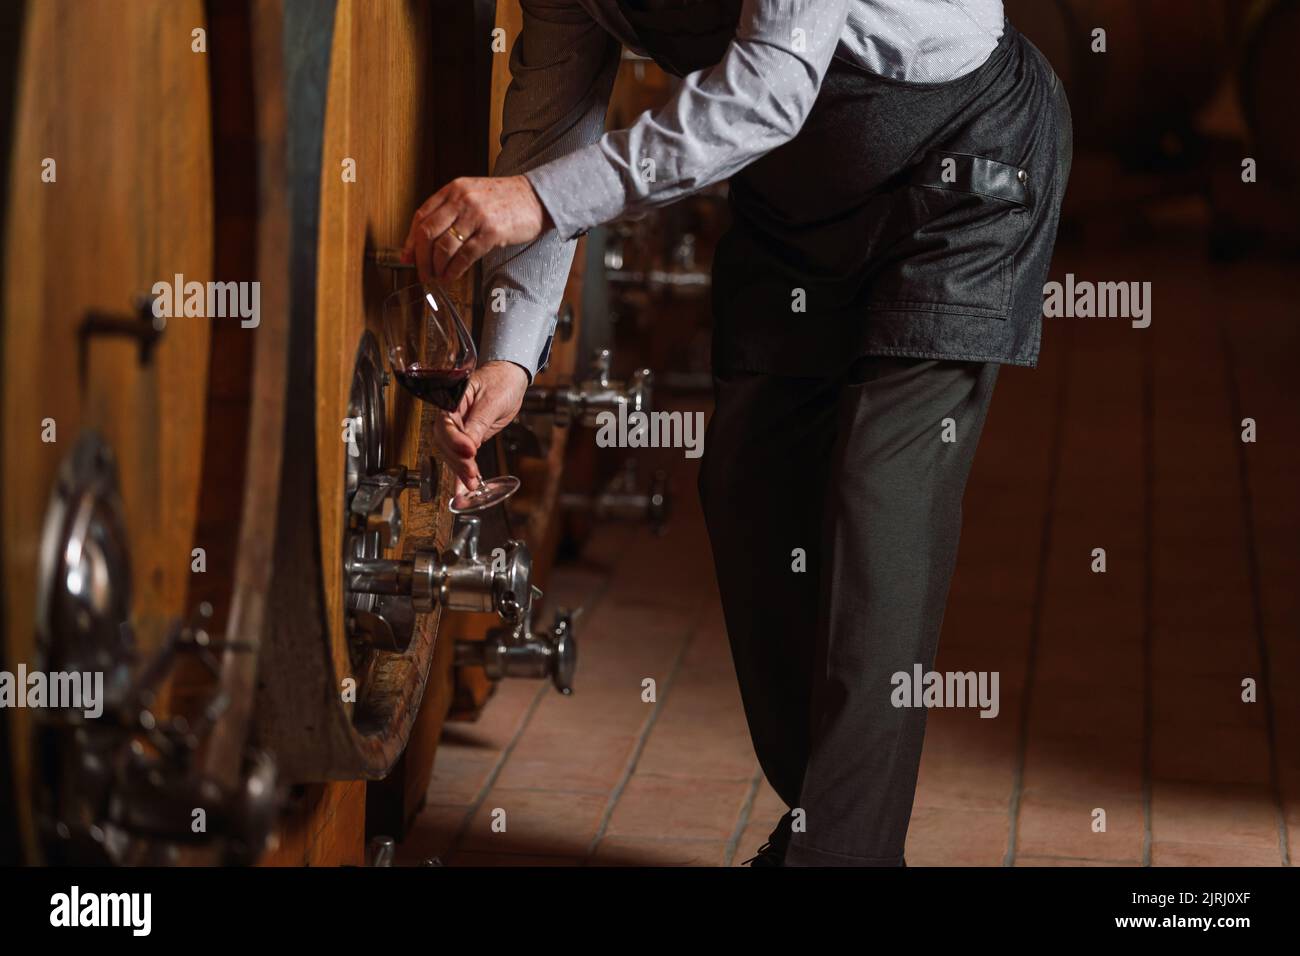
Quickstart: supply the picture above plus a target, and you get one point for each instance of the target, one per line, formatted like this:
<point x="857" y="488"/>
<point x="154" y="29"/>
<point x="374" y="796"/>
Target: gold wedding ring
<point x="452" y="229"/>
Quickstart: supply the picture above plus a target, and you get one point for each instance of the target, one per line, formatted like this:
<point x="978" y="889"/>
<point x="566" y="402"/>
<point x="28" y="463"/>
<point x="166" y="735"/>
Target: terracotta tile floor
<point x="1120" y="692"/>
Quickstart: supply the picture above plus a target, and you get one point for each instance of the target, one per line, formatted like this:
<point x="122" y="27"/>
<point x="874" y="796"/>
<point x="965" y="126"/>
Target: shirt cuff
<point x="580" y="190"/>
<point x="513" y="337"/>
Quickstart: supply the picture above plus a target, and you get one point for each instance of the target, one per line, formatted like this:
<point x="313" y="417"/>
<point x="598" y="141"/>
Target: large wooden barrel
<point x="1163" y="60"/>
<point x="1266" y="82"/>
<point x="136" y="472"/>
<point x="298" y="141"/>
<point x="361" y="133"/>
<point x="11" y="827"/>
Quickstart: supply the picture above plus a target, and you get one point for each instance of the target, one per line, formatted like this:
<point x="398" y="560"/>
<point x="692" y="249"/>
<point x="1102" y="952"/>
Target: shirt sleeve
<point x="563" y="66"/>
<point x="718" y="120"/>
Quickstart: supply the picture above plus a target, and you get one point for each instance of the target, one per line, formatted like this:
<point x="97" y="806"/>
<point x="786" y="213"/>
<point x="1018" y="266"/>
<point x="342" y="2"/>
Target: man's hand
<point x="468" y="218"/>
<point x="490" y="403"/>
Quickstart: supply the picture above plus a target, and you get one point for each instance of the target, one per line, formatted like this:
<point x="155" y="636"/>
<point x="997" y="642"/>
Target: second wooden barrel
<point x="359" y="136"/>
<point x="137" y="472"/>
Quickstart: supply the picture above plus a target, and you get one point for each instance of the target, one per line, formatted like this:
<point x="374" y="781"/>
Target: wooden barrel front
<point x="110" y="189"/>
<point x="1266" y="82"/>
<point x="360" y="137"/>
<point x="1163" y="60"/>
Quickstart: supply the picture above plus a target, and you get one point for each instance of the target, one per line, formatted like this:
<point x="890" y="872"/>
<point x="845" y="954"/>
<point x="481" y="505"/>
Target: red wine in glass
<point x="432" y="354"/>
<point x="443" y="387"/>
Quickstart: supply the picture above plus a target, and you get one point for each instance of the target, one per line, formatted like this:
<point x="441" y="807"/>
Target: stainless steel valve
<point x="516" y="651"/>
<point x="583" y="401"/>
<point x="457" y="579"/>
<point x="623" y="499"/>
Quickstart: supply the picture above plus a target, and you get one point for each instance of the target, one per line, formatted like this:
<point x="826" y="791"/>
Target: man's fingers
<point x="427" y="235"/>
<point x="489" y="403"/>
<point x="466" y="472"/>
<point x="459" y="233"/>
<point x="464" y="468"/>
<point x="507" y="205"/>
<point x="469" y="253"/>
<point x="413" y="234"/>
<point x="477" y="431"/>
<point x="459" y="440"/>
<point x="459" y="449"/>
<point x="436" y="223"/>
<point x="431" y="204"/>
<point x="467" y="399"/>
<point x="481" y="422"/>
<point x="423" y="252"/>
<point x="444" y="249"/>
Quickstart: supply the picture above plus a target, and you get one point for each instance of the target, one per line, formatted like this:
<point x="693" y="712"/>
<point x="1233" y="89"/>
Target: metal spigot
<point x="426" y="482"/>
<point x="374" y="504"/>
<point x="516" y="651"/>
<point x="584" y="401"/>
<point x="457" y="579"/>
<point x="624" y="500"/>
<point x="381" y="851"/>
<point x="682" y="276"/>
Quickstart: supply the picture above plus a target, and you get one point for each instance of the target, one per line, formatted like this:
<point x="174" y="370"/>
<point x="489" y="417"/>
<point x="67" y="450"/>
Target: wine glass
<point x="432" y="354"/>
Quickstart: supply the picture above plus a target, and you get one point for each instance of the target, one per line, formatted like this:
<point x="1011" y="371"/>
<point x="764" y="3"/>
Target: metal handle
<point x="426" y="482"/>
<point x="598" y="393"/>
<point x="518" y="652"/>
<point x="141" y="325"/>
<point x="381" y="851"/>
<point x="623" y="499"/>
<point x="389" y="259"/>
<point x="457" y="580"/>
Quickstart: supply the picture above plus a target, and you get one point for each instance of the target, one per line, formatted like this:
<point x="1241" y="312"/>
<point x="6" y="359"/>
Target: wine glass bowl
<point x="432" y="354"/>
<point x="429" y="349"/>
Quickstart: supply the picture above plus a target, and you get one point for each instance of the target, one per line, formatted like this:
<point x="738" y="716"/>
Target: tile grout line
<point x="506" y="751"/>
<point x="473" y="807"/>
<point x="1081" y="859"/>
<point x="1040" y="591"/>
<point x="616" y="792"/>
<point x="733" y="842"/>
<point x="1253" y="570"/>
<point x="1148" y="588"/>
<point x="463" y="830"/>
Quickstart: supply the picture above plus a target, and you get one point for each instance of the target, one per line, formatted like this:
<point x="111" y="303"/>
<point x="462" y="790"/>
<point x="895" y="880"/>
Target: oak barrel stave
<point x="131" y="127"/>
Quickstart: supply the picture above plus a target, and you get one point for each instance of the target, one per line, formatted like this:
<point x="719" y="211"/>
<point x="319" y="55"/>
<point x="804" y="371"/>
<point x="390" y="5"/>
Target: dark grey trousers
<point x="855" y="474"/>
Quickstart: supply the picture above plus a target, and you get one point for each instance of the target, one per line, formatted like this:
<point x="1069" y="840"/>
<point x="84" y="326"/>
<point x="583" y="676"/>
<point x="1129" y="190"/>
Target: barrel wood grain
<point x="128" y="208"/>
<point x="366" y="139"/>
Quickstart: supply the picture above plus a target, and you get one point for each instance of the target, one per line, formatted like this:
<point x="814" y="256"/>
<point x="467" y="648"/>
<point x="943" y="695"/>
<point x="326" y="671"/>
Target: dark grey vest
<point x="909" y="219"/>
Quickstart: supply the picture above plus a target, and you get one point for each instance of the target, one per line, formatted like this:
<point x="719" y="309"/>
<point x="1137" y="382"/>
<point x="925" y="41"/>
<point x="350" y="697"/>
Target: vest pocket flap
<point x="948" y="239"/>
<point x="962" y="172"/>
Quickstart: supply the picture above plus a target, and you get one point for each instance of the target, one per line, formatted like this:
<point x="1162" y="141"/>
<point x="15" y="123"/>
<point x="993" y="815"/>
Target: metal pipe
<point x="379" y="576"/>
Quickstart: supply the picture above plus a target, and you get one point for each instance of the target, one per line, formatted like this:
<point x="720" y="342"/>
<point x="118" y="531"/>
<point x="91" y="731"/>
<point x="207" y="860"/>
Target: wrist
<point x="543" y="213"/>
<point x="516" y="372"/>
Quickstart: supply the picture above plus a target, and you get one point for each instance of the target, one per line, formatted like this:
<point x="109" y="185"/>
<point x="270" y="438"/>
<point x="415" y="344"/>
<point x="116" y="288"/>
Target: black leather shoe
<point x="772" y="853"/>
<point x="767" y="855"/>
